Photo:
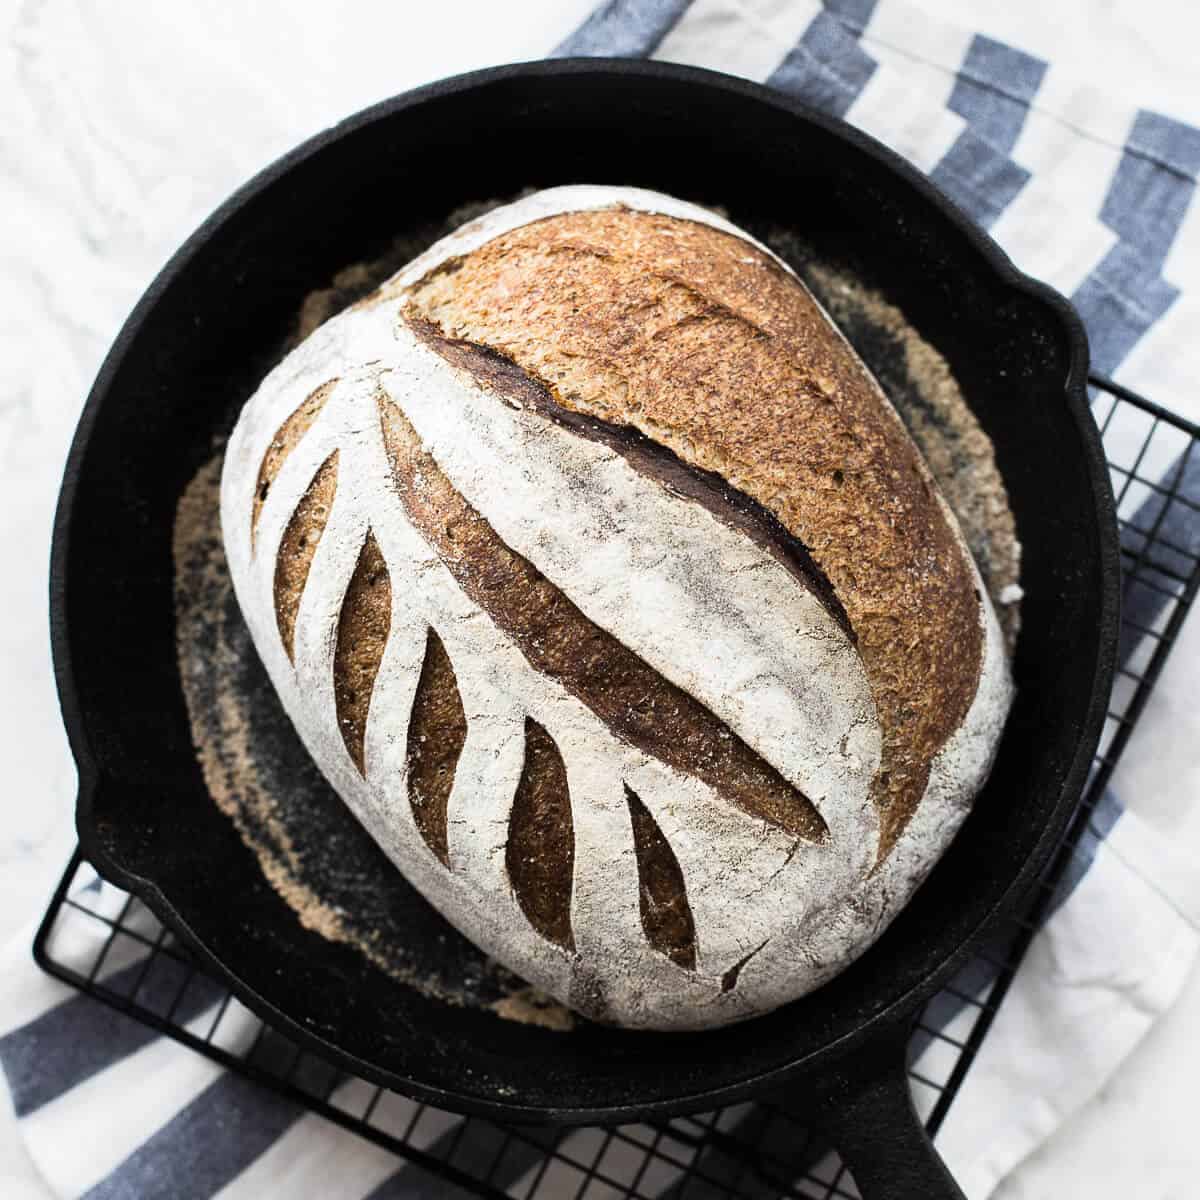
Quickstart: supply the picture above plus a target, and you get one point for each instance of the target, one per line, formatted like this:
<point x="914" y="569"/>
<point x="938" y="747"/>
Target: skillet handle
<point x="865" y="1108"/>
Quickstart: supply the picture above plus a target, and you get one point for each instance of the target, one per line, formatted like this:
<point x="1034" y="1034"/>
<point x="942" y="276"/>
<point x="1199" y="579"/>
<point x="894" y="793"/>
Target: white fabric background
<point x="124" y="125"/>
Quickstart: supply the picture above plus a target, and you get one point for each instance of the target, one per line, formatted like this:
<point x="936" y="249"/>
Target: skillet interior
<point x="198" y="343"/>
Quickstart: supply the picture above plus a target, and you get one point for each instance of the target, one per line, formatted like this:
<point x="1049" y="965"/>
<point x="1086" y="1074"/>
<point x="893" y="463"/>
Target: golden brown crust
<point x="706" y="345"/>
<point x="299" y="545"/>
<point x="923" y="390"/>
<point x="734" y="508"/>
<point x="638" y="704"/>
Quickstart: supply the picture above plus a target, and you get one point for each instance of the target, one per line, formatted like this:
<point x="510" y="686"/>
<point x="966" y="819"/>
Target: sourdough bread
<point x="605" y="586"/>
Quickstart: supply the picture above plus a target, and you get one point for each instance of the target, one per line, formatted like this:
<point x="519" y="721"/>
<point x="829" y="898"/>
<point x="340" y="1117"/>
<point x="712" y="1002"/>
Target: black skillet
<point x="201" y="338"/>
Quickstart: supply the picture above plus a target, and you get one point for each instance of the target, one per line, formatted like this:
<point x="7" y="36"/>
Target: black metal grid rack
<point x="133" y="964"/>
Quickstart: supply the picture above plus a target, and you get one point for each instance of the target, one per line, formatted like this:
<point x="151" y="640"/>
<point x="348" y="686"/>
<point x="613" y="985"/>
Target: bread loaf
<point x="605" y="586"/>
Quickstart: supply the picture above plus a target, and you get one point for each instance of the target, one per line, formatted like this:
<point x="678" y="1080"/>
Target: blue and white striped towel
<point x="1083" y="190"/>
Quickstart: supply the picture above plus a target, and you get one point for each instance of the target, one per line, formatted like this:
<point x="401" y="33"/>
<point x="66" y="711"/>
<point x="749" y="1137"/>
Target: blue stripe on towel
<point x="78" y="1038"/>
<point x="1147" y="199"/>
<point x="854" y="14"/>
<point x="979" y="178"/>
<point x="993" y="90"/>
<point x="826" y="67"/>
<point x="623" y="28"/>
<point x="1153" y="185"/>
<point x="1119" y="301"/>
<point x="204" y="1146"/>
<point x="992" y="94"/>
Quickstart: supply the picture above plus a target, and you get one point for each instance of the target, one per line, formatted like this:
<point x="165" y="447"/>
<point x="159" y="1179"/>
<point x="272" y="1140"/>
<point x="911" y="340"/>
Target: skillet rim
<point x="893" y="1013"/>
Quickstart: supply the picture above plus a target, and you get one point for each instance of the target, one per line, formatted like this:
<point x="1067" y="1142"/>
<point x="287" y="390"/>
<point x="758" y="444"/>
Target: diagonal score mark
<point x="286" y="439"/>
<point x="637" y="704"/>
<point x="662" y="893"/>
<point x="362" y="634"/>
<point x="437" y="731"/>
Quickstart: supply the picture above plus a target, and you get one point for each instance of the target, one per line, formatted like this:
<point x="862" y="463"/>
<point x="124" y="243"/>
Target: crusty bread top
<point x="710" y="348"/>
<point x="579" y="675"/>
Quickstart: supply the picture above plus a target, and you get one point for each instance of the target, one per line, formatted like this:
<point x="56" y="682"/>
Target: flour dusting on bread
<point x="718" y="677"/>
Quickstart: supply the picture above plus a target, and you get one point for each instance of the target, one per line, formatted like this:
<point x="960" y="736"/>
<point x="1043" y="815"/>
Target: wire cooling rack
<point x="755" y="1150"/>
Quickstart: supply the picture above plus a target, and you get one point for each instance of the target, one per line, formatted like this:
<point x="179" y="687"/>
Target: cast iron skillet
<point x="197" y="344"/>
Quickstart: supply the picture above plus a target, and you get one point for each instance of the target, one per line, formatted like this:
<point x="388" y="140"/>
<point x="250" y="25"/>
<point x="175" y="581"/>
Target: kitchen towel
<point x="1084" y="190"/>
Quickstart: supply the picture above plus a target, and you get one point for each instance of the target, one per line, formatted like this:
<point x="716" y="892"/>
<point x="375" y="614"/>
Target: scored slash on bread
<point x="608" y="591"/>
<point x="711" y="349"/>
